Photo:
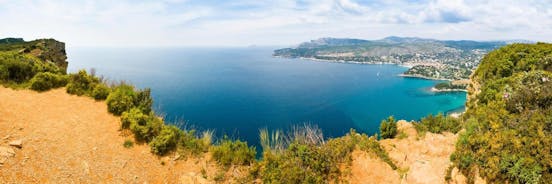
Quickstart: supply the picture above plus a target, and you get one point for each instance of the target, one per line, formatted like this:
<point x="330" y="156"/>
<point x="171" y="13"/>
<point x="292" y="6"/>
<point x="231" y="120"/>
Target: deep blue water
<point x="237" y="91"/>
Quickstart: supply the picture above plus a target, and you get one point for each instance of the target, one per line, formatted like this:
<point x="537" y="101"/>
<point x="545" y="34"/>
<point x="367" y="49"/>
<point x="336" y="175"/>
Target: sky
<point x="127" y="23"/>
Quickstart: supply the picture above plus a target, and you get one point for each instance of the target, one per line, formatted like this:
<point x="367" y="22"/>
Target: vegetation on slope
<point x="47" y="50"/>
<point x="301" y="156"/>
<point x="438" y="124"/>
<point x="388" y="128"/>
<point x="508" y="137"/>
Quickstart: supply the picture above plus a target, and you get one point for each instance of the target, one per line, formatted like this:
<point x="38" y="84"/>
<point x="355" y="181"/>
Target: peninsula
<point x="426" y="58"/>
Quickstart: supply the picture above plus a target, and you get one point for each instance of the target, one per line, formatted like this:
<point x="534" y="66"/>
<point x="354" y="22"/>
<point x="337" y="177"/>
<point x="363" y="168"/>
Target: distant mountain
<point x="442" y="59"/>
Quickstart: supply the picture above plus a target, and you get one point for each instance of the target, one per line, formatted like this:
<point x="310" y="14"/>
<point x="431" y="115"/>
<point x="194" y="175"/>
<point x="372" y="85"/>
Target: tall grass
<point x="273" y="142"/>
<point x="207" y="137"/>
<point x="307" y="134"/>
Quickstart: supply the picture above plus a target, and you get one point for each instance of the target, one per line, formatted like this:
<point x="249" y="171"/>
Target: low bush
<point x="143" y="100"/>
<point x="189" y="143"/>
<point x="128" y="143"/>
<point x="388" y="128"/>
<point x="124" y="97"/>
<point x="100" y="92"/>
<point x="438" y="124"/>
<point x="18" y="68"/>
<point x="303" y="162"/>
<point x="121" y="99"/>
<point x="147" y="130"/>
<point x="45" y="81"/>
<point x="166" y="140"/>
<point x="17" y="71"/>
<point x="81" y="83"/>
<point x="4" y="73"/>
<point x="133" y="116"/>
<point x="144" y="126"/>
<point x="236" y="152"/>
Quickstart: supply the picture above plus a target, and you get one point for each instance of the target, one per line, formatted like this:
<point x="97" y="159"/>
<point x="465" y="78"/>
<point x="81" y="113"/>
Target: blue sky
<point x="276" y="22"/>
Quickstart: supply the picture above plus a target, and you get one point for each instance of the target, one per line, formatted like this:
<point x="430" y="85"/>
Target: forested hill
<point x="508" y="122"/>
<point x="441" y="59"/>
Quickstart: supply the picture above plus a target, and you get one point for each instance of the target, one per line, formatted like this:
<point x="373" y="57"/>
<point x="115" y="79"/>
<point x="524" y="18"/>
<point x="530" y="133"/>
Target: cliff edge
<point x="47" y="50"/>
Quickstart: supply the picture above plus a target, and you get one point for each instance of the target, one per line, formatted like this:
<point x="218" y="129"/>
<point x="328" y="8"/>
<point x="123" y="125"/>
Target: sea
<point x="238" y="91"/>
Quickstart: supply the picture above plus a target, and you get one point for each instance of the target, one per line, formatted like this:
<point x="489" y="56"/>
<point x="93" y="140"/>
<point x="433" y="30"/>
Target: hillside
<point x="71" y="139"/>
<point x="80" y="128"/>
<point x="508" y="120"/>
<point x="428" y="58"/>
<point x="47" y="50"/>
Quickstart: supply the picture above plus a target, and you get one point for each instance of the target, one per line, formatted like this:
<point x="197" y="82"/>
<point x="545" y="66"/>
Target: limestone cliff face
<point x="48" y="50"/>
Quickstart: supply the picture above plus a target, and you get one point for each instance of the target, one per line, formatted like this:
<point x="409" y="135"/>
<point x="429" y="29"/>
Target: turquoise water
<point x="237" y="91"/>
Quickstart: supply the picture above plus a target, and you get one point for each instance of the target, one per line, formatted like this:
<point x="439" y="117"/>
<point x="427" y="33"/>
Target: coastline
<point x="343" y="61"/>
<point x="433" y="89"/>
<point x="370" y="63"/>
<point x="423" y="77"/>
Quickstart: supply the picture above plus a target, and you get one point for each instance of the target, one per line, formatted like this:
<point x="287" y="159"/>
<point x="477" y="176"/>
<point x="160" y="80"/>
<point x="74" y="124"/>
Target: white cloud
<point x="244" y="22"/>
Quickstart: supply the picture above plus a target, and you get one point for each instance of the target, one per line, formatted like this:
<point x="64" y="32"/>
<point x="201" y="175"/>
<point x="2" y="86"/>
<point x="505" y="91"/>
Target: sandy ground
<point x="70" y="139"/>
<point x="421" y="159"/>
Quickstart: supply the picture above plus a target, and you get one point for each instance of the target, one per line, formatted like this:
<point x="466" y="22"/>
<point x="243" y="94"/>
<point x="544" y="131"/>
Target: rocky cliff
<point x="48" y="50"/>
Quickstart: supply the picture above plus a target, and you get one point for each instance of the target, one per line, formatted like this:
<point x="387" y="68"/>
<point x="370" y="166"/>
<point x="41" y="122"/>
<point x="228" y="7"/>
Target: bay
<point x="237" y="91"/>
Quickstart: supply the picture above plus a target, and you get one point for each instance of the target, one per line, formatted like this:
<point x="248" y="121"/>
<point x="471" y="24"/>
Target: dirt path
<point x="70" y="139"/>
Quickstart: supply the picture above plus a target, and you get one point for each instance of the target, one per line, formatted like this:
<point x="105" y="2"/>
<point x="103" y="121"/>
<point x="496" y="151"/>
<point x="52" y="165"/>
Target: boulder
<point x="16" y="143"/>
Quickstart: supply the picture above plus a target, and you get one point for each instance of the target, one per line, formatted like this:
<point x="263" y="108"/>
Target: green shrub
<point x="143" y="100"/>
<point x="189" y="143"/>
<point x="148" y="129"/>
<point x="303" y="162"/>
<point x="18" y="71"/>
<point x="438" y="124"/>
<point x="100" y="92"/>
<point x="4" y="73"/>
<point x="388" y="128"/>
<point x="144" y="126"/>
<point x="45" y="81"/>
<point x="508" y="127"/>
<point x="121" y="99"/>
<point x="166" y="140"/>
<point x="81" y="83"/>
<point x="236" y="152"/>
<point x="300" y="163"/>
<point x="124" y="97"/>
<point x="19" y="68"/>
<point x="133" y="116"/>
<point x="128" y="143"/>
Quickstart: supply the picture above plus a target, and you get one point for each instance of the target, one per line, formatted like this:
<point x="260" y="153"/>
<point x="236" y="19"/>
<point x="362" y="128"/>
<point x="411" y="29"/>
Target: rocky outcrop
<point x="48" y="50"/>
